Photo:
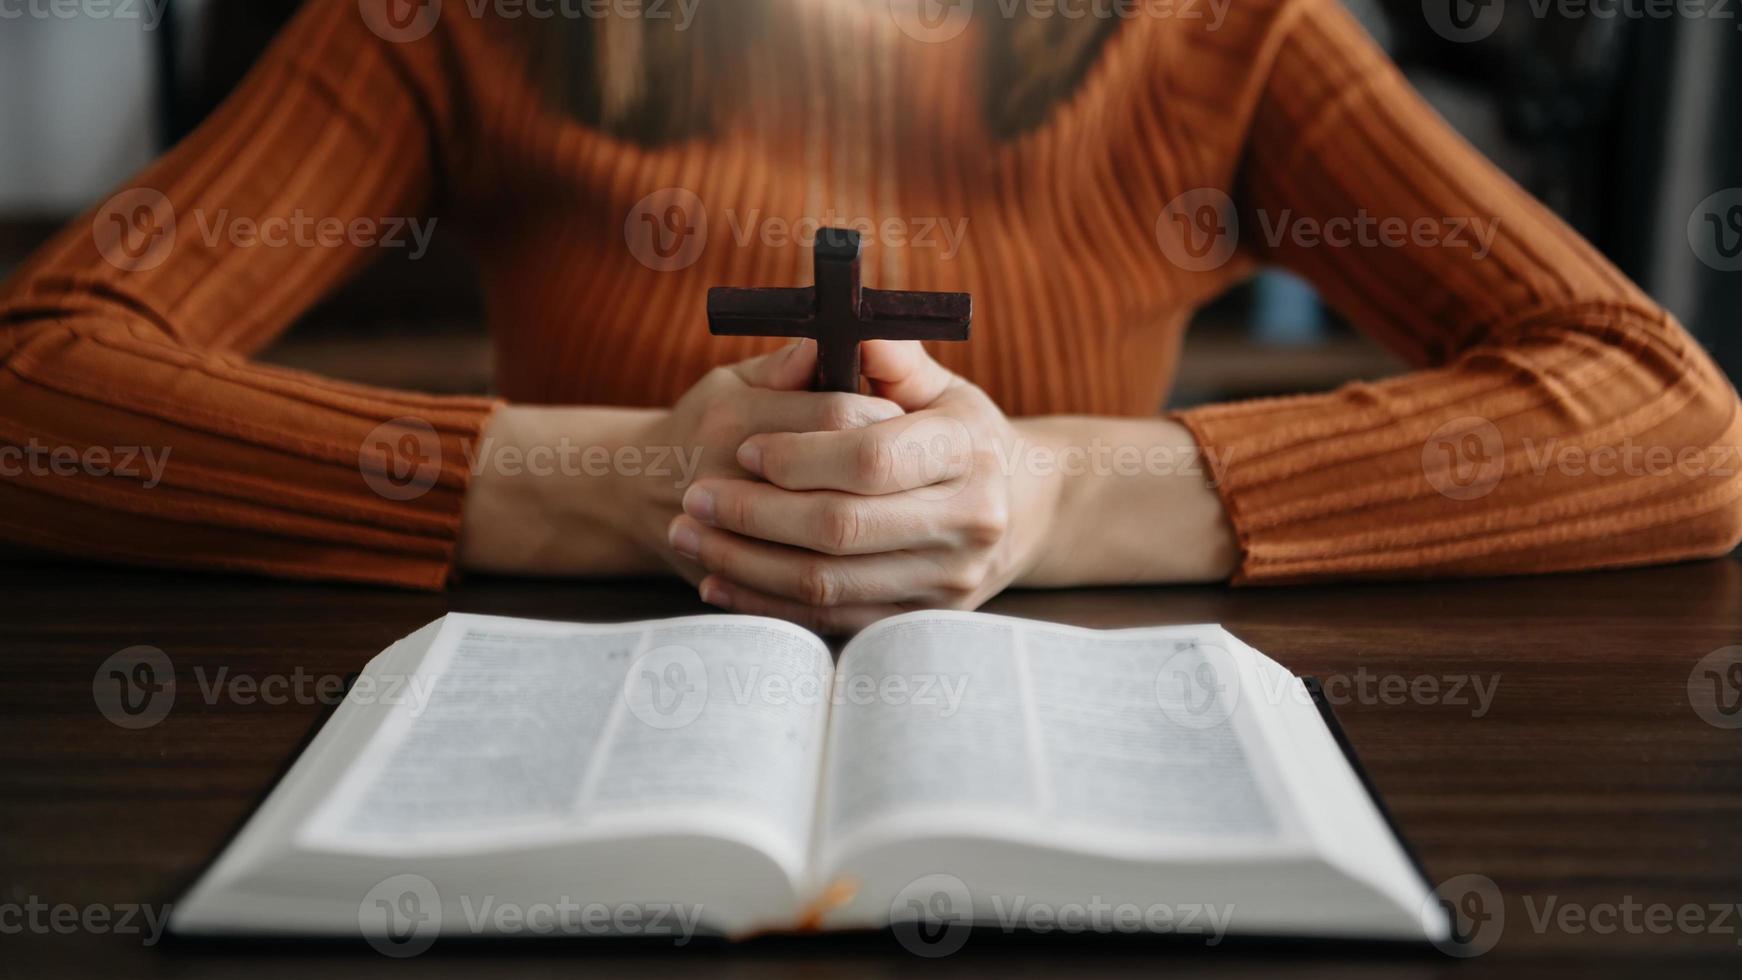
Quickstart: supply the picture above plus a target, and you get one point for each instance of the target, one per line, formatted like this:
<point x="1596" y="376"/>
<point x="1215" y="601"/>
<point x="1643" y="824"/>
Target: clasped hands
<point x="836" y="510"/>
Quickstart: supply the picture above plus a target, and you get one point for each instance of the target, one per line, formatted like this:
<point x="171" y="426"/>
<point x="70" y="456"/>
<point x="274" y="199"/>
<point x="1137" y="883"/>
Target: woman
<point x="603" y="191"/>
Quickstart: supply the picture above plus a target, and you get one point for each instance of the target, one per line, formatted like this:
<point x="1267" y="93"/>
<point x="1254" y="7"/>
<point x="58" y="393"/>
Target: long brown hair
<point x="654" y="80"/>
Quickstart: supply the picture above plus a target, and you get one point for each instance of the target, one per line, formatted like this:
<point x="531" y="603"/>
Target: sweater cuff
<point x="1307" y="502"/>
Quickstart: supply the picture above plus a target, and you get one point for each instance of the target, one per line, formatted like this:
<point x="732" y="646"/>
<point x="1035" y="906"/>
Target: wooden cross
<point x="838" y="313"/>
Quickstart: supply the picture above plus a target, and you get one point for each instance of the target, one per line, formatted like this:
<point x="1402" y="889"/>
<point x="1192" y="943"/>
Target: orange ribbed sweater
<point x="1287" y="107"/>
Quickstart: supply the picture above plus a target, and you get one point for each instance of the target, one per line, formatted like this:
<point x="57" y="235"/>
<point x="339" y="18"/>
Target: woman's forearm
<point x="567" y="491"/>
<point x="1136" y="503"/>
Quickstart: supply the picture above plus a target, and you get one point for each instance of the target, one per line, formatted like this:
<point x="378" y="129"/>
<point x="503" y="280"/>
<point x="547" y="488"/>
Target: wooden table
<point x="1590" y="780"/>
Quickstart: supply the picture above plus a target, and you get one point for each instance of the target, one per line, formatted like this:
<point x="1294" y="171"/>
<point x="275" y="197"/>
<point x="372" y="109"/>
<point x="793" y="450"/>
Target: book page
<point x="1116" y="740"/>
<point x="528" y="731"/>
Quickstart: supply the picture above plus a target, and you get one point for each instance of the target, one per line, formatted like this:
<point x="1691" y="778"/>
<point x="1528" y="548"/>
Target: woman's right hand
<point x="592" y="491"/>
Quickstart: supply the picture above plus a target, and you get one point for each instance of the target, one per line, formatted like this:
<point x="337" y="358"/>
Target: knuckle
<point x="842" y="528"/>
<point x="817" y="585"/>
<point x="776" y="457"/>
<point x="873" y="461"/>
<point x="987" y="524"/>
<point x="734" y="512"/>
<point x="962" y="582"/>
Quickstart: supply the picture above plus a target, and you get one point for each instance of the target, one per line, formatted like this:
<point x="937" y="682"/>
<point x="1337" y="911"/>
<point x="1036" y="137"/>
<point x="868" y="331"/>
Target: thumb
<point x="787" y="369"/>
<point x="902" y="371"/>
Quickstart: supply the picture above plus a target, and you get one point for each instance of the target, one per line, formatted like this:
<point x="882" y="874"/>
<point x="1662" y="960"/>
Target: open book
<point x="722" y="775"/>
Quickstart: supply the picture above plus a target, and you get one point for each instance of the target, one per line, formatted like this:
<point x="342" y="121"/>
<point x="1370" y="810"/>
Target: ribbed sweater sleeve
<point x="124" y="341"/>
<point x="1559" y="418"/>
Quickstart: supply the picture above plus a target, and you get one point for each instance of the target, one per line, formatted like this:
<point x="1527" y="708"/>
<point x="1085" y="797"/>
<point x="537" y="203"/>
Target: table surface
<point x="1590" y="781"/>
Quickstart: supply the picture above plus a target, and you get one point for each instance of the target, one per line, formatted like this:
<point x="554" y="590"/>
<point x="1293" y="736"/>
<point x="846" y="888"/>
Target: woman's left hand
<point x="928" y="510"/>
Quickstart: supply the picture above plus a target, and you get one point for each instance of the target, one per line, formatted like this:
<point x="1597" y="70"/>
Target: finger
<point x="824" y="521"/>
<point x="902" y="371"/>
<point x="834" y="620"/>
<point x="887" y="457"/>
<point x="812" y="411"/>
<point x="805" y="576"/>
<point x="787" y="369"/>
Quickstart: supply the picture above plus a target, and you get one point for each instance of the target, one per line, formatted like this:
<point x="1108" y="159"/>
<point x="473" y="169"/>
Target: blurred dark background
<point x="1625" y="124"/>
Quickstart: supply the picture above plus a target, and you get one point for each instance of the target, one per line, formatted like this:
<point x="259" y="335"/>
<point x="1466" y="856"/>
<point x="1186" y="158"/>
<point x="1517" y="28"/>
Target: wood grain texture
<point x="1590" y="779"/>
